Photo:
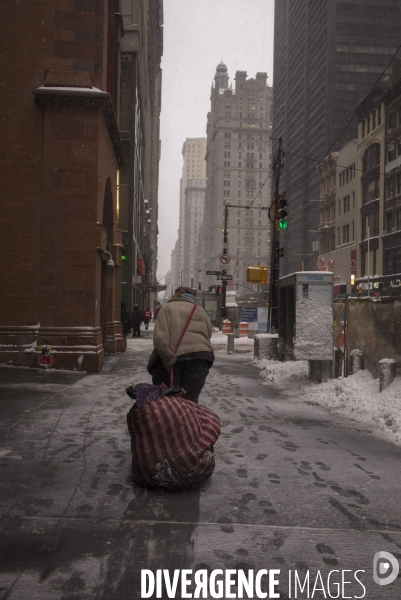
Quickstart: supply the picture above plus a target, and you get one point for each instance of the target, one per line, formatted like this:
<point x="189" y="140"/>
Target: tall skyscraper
<point x="327" y="57"/>
<point x="238" y="162"/>
<point x="192" y="200"/>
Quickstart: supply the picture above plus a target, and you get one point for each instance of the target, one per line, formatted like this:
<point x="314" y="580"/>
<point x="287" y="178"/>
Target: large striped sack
<point x="172" y="443"/>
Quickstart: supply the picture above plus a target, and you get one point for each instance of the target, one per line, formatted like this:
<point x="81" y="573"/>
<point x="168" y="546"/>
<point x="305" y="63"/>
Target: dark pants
<point x="189" y="374"/>
<point x="136" y="330"/>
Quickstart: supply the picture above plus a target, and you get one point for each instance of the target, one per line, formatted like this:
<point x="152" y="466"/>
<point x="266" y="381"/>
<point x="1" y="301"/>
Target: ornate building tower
<point x="238" y="165"/>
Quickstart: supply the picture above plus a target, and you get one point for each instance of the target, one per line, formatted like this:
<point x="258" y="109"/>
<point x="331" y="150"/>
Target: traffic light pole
<point x="225" y="245"/>
<point x="275" y="246"/>
<point x="225" y="251"/>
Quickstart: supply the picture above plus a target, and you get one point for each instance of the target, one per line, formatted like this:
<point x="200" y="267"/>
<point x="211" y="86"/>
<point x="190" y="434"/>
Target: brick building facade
<point x="62" y="150"/>
<point x="140" y="103"/>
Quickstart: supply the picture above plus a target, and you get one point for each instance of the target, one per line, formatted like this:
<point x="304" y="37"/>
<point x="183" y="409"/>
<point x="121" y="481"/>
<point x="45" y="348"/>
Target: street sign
<point x="213" y="272"/>
<point x="157" y="288"/>
<point x="136" y="279"/>
<point x="214" y="289"/>
<point x="225" y="277"/>
<point x="225" y="259"/>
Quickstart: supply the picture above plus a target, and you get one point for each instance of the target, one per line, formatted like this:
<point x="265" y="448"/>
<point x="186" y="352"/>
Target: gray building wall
<point x="338" y="216"/>
<point x="327" y="56"/>
<point x="194" y="204"/>
<point x="194" y="167"/>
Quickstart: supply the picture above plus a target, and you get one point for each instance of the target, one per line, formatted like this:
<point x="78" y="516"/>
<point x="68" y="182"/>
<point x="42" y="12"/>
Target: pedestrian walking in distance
<point x="191" y="354"/>
<point x="125" y="322"/>
<point x="147" y="316"/>
<point x="136" y="319"/>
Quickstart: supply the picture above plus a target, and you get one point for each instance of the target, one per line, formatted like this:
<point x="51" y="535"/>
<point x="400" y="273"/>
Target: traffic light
<point x="281" y="219"/>
<point x="257" y="274"/>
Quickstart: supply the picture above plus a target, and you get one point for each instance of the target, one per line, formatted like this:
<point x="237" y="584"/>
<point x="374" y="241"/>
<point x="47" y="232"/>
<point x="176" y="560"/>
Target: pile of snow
<point x="219" y="342"/>
<point x="356" y="396"/>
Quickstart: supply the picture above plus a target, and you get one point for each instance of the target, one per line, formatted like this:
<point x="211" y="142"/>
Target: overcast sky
<point x="197" y="35"/>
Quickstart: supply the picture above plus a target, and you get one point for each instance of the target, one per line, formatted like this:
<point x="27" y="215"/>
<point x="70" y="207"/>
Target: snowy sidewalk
<point x="295" y="487"/>
<point x="356" y="396"/>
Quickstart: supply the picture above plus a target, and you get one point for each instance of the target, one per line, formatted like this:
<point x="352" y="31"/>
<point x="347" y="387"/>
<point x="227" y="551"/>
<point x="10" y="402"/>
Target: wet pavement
<point x="295" y="488"/>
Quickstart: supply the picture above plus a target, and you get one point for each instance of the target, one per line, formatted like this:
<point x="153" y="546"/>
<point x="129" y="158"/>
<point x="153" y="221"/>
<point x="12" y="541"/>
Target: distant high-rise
<point x="238" y="162"/>
<point x="192" y="201"/>
<point x="327" y="56"/>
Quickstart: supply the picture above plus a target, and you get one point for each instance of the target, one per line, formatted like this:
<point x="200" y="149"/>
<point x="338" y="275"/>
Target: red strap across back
<point x="179" y="342"/>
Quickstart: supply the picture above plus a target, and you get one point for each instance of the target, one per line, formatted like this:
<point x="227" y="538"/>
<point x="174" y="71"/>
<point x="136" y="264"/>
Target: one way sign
<point x="225" y="277"/>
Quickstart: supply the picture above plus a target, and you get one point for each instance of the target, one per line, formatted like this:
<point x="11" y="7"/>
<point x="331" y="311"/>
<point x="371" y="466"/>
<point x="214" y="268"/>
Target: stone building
<point x="175" y="266"/>
<point x="337" y="225"/>
<point x="168" y="283"/>
<point x="392" y="201"/>
<point x="370" y="192"/>
<point x="327" y="205"/>
<point x="346" y="219"/>
<point x="238" y="174"/>
<point x="60" y="236"/>
<point x="379" y="192"/>
<point x="192" y="200"/>
<point x="195" y="192"/>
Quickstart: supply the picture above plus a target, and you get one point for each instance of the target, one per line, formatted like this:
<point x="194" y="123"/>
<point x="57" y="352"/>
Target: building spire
<point x="221" y="77"/>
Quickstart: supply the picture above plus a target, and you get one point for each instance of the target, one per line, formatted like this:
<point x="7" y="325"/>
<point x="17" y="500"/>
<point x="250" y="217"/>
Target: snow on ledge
<point x="78" y="91"/>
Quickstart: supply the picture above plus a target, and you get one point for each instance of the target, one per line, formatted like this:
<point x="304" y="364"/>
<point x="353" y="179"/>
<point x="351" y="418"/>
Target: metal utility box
<point x="305" y="316"/>
<point x="211" y="302"/>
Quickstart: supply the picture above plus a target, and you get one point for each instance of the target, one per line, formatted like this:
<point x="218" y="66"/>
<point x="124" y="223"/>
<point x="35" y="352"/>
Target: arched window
<point x="371" y="174"/>
<point x="371" y="158"/>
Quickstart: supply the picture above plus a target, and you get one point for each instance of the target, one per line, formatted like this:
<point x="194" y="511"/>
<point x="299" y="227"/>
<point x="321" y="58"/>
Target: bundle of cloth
<point x="172" y="438"/>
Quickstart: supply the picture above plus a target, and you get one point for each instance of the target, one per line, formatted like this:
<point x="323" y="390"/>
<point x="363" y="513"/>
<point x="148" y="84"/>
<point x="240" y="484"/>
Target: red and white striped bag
<point x="172" y="443"/>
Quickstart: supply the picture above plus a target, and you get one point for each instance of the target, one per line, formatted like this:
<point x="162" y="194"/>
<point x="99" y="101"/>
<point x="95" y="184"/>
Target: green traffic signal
<point x="281" y="213"/>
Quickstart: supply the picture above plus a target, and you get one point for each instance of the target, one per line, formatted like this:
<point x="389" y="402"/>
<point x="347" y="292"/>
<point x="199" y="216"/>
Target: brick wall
<point x="56" y="164"/>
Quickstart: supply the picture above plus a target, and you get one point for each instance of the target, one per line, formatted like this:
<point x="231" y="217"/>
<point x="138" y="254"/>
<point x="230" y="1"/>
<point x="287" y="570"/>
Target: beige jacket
<point x="169" y="326"/>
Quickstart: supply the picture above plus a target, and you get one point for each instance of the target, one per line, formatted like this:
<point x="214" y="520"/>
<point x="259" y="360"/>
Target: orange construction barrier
<point x="243" y="329"/>
<point x="226" y="327"/>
